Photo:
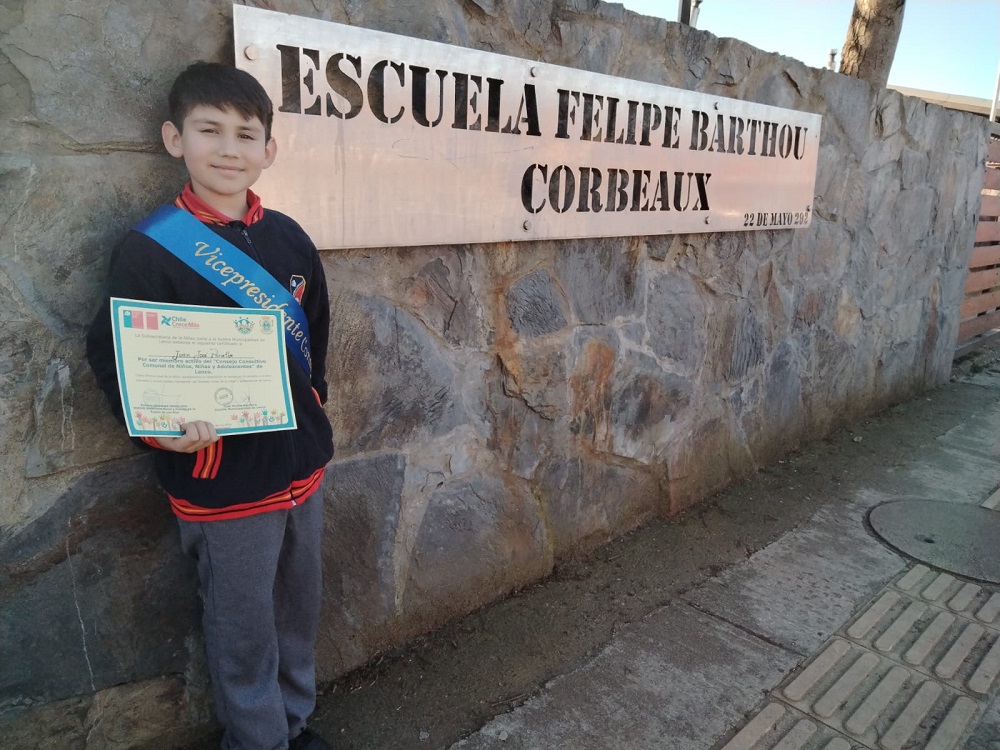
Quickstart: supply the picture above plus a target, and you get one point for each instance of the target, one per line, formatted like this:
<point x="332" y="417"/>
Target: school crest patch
<point x="297" y="285"/>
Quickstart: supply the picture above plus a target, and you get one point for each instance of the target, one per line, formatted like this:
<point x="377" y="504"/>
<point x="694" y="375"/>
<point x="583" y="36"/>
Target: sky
<point x="949" y="46"/>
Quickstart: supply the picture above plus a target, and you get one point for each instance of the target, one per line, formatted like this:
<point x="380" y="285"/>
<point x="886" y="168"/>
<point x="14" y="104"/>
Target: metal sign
<point x="385" y="140"/>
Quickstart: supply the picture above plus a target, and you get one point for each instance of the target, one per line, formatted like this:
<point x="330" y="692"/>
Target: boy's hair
<point x="220" y="86"/>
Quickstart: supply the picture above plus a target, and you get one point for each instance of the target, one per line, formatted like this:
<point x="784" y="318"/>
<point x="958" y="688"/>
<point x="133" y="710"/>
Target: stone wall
<point x="496" y="407"/>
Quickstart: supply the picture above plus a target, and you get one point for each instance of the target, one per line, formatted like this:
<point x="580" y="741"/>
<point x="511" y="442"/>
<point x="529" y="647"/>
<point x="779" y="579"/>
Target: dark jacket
<point x="241" y="474"/>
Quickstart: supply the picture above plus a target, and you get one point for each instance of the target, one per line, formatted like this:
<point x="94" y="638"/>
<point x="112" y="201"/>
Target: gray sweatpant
<point x="261" y="579"/>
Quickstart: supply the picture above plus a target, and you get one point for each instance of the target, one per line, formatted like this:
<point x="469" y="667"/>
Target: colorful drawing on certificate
<point x="180" y="363"/>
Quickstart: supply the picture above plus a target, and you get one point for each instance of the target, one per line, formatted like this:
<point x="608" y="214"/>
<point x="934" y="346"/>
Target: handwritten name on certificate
<point x="180" y="363"/>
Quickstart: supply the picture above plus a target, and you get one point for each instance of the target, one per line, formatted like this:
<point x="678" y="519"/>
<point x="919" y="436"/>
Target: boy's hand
<point x="197" y="435"/>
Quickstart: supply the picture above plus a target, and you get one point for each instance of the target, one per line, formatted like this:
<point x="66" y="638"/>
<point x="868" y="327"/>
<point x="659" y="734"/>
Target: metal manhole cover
<point x="956" y="537"/>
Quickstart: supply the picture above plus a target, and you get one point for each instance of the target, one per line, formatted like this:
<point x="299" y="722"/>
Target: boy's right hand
<point x="197" y="435"/>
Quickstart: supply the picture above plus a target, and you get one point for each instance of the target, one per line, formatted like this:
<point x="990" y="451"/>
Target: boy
<point x="243" y="502"/>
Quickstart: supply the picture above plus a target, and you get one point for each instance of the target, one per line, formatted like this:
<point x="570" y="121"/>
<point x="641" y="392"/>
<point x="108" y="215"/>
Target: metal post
<point x="996" y="96"/>
<point x="687" y="12"/>
<point x="694" y="12"/>
<point x="684" y="12"/>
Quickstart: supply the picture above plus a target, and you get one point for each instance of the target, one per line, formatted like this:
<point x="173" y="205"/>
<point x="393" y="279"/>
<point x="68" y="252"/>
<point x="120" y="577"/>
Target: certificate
<point x="180" y="363"/>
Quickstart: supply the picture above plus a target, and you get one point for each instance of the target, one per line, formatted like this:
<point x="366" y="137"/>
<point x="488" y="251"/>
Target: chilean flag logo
<point x="297" y="285"/>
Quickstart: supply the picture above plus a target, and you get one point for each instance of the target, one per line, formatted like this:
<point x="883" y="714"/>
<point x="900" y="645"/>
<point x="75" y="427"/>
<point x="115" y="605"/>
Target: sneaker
<point x="309" y="740"/>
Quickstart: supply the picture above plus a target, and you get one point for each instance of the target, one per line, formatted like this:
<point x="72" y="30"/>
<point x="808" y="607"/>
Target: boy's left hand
<point x="197" y="435"/>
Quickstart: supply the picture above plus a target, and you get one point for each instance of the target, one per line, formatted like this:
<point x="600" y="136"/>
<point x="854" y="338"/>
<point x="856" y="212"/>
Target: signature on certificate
<point x="212" y="353"/>
<point x="153" y="396"/>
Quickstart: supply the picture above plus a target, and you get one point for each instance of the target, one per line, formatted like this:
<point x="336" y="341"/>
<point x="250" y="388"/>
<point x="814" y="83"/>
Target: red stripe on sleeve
<point x="218" y="459"/>
<point x="199" y="463"/>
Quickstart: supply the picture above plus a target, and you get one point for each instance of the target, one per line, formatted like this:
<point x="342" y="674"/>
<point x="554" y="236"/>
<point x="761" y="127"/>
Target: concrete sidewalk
<point x="824" y="638"/>
<point x="767" y="618"/>
<point x="782" y="650"/>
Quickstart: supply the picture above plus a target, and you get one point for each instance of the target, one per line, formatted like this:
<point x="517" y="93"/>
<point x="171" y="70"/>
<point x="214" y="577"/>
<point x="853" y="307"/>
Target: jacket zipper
<point x="251" y="246"/>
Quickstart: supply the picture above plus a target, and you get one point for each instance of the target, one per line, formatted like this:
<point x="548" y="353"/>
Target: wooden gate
<point x="981" y="306"/>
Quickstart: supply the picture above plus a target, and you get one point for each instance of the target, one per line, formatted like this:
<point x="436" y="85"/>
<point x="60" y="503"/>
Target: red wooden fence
<point x="981" y="306"/>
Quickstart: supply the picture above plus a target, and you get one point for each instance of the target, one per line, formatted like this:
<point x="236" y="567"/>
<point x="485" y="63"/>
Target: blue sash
<point x="230" y="270"/>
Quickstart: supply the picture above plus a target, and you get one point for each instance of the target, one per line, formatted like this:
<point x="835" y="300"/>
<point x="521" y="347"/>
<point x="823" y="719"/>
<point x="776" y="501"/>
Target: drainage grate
<point x="956" y="537"/>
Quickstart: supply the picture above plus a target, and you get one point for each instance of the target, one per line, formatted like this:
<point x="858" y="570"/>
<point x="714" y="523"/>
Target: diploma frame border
<point x="119" y="303"/>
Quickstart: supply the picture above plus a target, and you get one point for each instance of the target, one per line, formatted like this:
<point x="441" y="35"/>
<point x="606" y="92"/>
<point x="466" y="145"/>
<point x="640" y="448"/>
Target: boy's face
<point x="223" y="153"/>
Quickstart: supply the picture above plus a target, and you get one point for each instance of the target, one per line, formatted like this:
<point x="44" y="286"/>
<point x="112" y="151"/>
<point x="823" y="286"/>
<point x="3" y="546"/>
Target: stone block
<point x="94" y="593"/>
<point x="591" y="47"/>
<point x="601" y="278"/>
<point x="442" y="296"/>
<point x="782" y="418"/>
<point x="73" y="426"/>
<point x="535" y="372"/>
<point x="888" y="114"/>
<point x="531" y="22"/>
<point x="593" y="360"/>
<point x="846" y="104"/>
<point x="915" y="166"/>
<point x="811" y="307"/>
<point x="747" y="345"/>
<point x="489" y="7"/>
<point x="586" y="504"/>
<point x="393" y="381"/>
<point x="363" y="505"/>
<point x="646" y="403"/>
<point x="727" y="264"/>
<point x="691" y="478"/>
<point x="535" y="306"/>
<point x="63" y="229"/>
<point x="676" y="319"/>
<point x="520" y="434"/>
<point x="435" y="21"/>
<point x="63" y="54"/>
<point x="479" y="538"/>
<point x="789" y="87"/>
<point x="158" y="713"/>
